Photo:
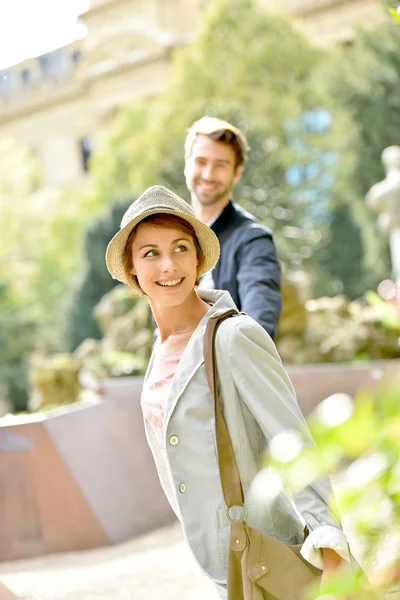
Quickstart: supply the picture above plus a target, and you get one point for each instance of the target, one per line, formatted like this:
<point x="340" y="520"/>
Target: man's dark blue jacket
<point x="248" y="267"/>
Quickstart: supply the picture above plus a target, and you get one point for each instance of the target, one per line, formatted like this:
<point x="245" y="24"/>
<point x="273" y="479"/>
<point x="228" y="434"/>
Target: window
<point x="52" y="63"/>
<point x="76" y="56"/>
<point x="26" y="76"/>
<point x="6" y="81"/>
<point x="86" y="147"/>
<point x="311" y="173"/>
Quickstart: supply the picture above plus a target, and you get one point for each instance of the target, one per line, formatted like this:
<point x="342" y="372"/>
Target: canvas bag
<point x="260" y="567"/>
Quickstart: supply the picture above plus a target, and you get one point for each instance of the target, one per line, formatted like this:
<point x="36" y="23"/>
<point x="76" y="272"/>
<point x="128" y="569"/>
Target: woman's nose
<point x="167" y="264"/>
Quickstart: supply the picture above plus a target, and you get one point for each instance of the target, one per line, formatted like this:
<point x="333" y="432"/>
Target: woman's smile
<point x="170" y="283"/>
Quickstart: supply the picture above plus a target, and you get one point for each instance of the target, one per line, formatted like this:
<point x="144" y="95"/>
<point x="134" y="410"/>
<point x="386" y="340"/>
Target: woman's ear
<point x="133" y="271"/>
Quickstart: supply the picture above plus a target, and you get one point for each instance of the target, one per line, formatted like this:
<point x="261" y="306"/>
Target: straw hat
<point x="155" y="200"/>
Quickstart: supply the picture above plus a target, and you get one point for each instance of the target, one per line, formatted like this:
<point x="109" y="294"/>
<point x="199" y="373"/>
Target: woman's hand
<point x="332" y="562"/>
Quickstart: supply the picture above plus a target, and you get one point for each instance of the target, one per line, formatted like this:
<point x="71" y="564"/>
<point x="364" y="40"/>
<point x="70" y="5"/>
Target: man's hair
<point x="159" y="220"/>
<point x="219" y="131"/>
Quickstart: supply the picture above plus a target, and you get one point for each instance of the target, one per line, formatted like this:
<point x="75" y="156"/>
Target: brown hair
<point x="219" y="131"/>
<point x="159" y="220"/>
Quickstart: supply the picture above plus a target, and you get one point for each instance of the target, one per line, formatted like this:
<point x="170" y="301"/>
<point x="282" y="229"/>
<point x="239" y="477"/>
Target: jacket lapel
<point x="193" y="358"/>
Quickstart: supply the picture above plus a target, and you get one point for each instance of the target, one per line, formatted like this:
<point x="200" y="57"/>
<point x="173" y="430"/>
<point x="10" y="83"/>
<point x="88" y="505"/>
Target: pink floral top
<point x="155" y="391"/>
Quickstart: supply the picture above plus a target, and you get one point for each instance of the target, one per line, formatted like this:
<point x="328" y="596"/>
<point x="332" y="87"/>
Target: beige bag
<point x="259" y="566"/>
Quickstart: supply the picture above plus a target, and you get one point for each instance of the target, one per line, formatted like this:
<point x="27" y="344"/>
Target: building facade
<point x="333" y="21"/>
<point x="58" y="102"/>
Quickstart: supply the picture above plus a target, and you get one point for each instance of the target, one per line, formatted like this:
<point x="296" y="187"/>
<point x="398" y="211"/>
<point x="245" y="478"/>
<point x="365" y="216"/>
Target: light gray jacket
<point x="258" y="403"/>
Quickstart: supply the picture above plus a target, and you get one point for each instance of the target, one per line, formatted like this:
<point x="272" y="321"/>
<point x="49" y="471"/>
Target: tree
<point x="40" y="230"/>
<point x="19" y="181"/>
<point x="17" y="334"/>
<point x="362" y="81"/>
<point x="262" y="83"/>
<point x="93" y="280"/>
<point x="316" y="121"/>
<point x="339" y="259"/>
<point x="40" y="227"/>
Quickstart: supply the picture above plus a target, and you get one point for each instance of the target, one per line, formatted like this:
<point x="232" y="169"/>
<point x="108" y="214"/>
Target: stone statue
<point x="384" y="198"/>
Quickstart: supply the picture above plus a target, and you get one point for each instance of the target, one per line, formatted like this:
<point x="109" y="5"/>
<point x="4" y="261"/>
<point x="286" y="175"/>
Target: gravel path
<point x="156" y="566"/>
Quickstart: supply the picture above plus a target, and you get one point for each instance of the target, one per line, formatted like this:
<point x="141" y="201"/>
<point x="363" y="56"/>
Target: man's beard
<point x="213" y="197"/>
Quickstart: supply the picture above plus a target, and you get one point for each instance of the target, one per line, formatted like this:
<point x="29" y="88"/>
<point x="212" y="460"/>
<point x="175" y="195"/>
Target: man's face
<point x="210" y="171"/>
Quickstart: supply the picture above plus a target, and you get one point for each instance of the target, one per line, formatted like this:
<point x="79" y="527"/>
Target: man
<point x="215" y="154"/>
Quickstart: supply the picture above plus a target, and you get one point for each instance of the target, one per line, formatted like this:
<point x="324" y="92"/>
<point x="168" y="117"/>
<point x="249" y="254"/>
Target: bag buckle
<point x="246" y="513"/>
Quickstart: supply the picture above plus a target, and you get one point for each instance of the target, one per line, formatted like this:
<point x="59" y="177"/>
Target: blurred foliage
<point x="363" y="81"/>
<point x="40" y="227"/>
<point x="333" y="329"/>
<point x="317" y="122"/>
<point x="334" y="272"/>
<point x="358" y="439"/>
<point x="17" y="330"/>
<point x="262" y="83"/>
<point x="388" y="311"/>
<point x="54" y="380"/>
<point x="116" y="364"/>
<point x="93" y="279"/>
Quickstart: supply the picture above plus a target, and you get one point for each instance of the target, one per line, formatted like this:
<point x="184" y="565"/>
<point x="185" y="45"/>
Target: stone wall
<point x="329" y="22"/>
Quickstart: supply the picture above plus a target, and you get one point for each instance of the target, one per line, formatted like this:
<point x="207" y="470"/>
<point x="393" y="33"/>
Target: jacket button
<point x="174" y="440"/>
<point x="182" y="488"/>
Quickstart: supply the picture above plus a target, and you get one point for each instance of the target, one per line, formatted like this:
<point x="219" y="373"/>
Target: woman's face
<point x="165" y="263"/>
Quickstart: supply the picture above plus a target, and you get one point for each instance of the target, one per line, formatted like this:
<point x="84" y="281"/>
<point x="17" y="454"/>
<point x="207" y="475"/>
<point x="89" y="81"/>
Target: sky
<point x="32" y="27"/>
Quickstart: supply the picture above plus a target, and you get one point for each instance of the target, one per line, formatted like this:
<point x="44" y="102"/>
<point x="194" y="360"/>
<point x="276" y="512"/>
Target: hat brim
<point x="207" y="239"/>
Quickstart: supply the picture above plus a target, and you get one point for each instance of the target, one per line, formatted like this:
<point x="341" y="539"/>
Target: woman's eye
<point x="150" y="253"/>
<point x="180" y="249"/>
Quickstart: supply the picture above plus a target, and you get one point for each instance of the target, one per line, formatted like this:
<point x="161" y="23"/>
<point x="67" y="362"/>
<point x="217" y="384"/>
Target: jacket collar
<point x="192" y="358"/>
<point x="219" y="300"/>
<point x="232" y="217"/>
<point x="225" y="220"/>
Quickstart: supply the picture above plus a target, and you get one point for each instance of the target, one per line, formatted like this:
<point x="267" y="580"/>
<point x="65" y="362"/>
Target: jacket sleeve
<point x="259" y="277"/>
<point x="264" y="386"/>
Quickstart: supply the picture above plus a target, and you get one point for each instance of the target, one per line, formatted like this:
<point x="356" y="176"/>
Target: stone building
<point x="56" y="103"/>
<point x="333" y="21"/>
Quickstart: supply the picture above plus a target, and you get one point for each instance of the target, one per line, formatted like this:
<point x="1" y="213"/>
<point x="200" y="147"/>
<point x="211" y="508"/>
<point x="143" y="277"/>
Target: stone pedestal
<point x="78" y="477"/>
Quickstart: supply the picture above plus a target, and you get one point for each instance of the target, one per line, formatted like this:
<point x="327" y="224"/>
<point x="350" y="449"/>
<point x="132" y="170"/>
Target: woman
<point x="161" y="251"/>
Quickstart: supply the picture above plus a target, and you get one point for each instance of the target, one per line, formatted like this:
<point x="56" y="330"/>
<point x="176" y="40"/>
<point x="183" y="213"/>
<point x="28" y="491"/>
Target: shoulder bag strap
<point x="228" y="469"/>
